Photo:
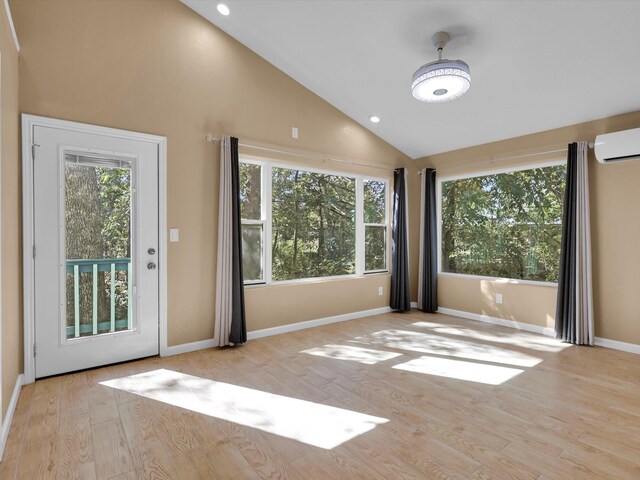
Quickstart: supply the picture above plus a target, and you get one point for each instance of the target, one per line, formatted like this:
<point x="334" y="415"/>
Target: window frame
<point x="365" y="225"/>
<point x="262" y="221"/>
<point x="483" y="173"/>
<point x="266" y="220"/>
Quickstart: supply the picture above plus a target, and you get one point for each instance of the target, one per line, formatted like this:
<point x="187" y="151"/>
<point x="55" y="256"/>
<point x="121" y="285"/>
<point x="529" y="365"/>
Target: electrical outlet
<point x="380" y="291"/>
<point x="498" y="298"/>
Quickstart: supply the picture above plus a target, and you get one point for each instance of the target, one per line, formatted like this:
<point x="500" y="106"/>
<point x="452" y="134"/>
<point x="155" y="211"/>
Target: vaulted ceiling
<point x="535" y="65"/>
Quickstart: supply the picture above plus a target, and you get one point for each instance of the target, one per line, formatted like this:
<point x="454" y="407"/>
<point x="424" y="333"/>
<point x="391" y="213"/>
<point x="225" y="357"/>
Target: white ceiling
<point x="535" y="65"/>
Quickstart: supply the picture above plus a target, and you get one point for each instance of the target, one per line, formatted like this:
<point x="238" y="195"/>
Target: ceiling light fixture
<point x="442" y="80"/>
<point x="374" y="119"/>
<point x="223" y="9"/>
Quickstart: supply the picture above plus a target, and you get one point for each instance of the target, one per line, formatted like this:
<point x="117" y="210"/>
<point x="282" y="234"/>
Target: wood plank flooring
<point x="431" y="396"/>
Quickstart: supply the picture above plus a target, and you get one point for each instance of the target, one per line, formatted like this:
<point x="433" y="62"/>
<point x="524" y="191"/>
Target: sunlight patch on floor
<point x="354" y="354"/>
<point x="308" y="422"/>
<point x="516" y="338"/>
<point x="460" y="370"/>
<point x="452" y="347"/>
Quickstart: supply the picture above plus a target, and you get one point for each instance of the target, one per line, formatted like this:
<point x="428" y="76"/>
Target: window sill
<point x="512" y="281"/>
<point x="315" y="280"/>
<point x="376" y="272"/>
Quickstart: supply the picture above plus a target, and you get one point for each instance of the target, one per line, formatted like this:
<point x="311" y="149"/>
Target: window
<point x="506" y="225"/>
<point x="313" y="224"/>
<point x="252" y="214"/>
<point x="375" y="225"/>
<point x="299" y="223"/>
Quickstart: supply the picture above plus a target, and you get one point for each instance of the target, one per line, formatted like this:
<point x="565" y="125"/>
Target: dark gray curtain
<point x="400" y="299"/>
<point x="566" y="305"/>
<point x="428" y="288"/>
<point x="574" y="310"/>
<point x="230" y="325"/>
<point x="238" y="331"/>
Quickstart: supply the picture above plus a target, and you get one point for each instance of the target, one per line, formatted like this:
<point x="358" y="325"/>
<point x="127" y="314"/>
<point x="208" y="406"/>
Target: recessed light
<point x="374" y="119"/>
<point x="223" y="9"/>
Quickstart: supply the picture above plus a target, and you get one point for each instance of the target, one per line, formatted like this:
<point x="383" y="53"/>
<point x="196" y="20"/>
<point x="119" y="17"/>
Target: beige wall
<point x="265" y="306"/>
<point x="11" y="335"/>
<point x="522" y="303"/>
<point x="615" y="233"/>
<point x="158" y="67"/>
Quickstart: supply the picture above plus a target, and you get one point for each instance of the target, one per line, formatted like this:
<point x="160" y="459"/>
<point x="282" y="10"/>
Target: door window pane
<point x="97" y="245"/>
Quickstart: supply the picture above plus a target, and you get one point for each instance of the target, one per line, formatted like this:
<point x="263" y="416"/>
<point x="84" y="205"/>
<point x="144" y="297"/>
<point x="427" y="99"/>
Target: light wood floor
<point x="529" y="408"/>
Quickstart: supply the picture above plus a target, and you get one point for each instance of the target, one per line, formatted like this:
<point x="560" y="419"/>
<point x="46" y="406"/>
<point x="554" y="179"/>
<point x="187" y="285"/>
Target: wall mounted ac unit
<point x="618" y="146"/>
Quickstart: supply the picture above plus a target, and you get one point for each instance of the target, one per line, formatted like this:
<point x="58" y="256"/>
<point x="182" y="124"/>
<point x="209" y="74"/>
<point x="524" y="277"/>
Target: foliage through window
<point x="97" y="230"/>
<point x="313" y="224"/>
<point x="307" y="223"/>
<point x="506" y="225"/>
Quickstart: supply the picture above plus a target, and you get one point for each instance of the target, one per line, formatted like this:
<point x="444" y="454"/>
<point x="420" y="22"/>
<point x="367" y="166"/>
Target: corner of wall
<point x="6" y="423"/>
<point x="10" y="230"/>
<point x="11" y="25"/>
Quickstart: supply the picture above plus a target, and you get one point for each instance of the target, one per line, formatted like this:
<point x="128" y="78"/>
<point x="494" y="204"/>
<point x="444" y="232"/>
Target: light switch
<point x="174" y="234"/>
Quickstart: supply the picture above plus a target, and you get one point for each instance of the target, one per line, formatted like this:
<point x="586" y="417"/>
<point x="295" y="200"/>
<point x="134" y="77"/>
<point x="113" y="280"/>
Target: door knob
<point x="151" y="266"/>
<point x="151" y="251"/>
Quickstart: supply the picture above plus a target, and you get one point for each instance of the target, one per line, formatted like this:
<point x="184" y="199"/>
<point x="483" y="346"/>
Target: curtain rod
<point x="211" y="138"/>
<point x="514" y="157"/>
<point x="502" y="159"/>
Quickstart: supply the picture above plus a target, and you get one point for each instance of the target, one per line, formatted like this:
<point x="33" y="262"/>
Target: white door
<point x="95" y="207"/>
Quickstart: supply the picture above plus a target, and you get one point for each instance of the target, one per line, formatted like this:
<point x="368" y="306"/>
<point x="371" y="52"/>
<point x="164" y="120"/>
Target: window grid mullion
<point x="267" y="212"/>
<point x="375" y="224"/>
<point x="359" y="225"/>
<point x="388" y="216"/>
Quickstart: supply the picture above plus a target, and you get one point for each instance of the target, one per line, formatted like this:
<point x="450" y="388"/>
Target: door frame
<point x="29" y="122"/>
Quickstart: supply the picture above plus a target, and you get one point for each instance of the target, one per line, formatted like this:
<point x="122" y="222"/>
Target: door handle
<point x="151" y="251"/>
<point x="151" y="266"/>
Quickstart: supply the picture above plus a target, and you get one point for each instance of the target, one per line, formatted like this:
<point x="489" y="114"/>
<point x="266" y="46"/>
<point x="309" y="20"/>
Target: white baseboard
<point x="267" y="332"/>
<point x="187" y="347"/>
<point x="292" y="327"/>
<point x="499" y="321"/>
<point x="600" y="342"/>
<point x="614" y="344"/>
<point x="6" y="424"/>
